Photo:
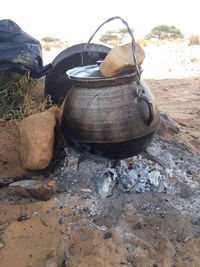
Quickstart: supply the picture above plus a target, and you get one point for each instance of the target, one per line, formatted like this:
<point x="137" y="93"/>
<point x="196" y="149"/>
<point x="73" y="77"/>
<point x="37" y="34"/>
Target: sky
<point x="75" y="20"/>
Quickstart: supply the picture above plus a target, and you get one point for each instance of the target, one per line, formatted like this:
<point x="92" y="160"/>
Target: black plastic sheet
<point x="19" y="51"/>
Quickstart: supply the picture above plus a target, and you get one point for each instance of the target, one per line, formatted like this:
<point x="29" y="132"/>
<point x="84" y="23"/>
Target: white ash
<point x="166" y="167"/>
<point x="147" y="176"/>
<point x="106" y="183"/>
<point x="161" y="156"/>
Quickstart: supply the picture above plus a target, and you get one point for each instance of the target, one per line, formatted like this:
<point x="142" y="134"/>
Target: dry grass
<point x="194" y="40"/>
<point x="178" y="41"/>
<point x="195" y="60"/>
<point x="146" y="42"/>
<point x="46" y="46"/>
<point x="20" y="96"/>
<point x="33" y="102"/>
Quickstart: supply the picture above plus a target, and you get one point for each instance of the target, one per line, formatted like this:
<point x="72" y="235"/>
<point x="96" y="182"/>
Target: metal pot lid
<point x="85" y="72"/>
<point x="92" y="73"/>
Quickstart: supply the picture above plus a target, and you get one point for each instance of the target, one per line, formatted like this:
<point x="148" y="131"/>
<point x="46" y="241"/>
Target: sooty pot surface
<point x="108" y="117"/>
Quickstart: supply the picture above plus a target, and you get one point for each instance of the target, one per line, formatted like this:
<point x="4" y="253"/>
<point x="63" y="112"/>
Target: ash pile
<point x="165" y="167"/>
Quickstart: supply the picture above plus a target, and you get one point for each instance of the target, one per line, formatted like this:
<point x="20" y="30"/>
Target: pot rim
<point x="130" y="75"/>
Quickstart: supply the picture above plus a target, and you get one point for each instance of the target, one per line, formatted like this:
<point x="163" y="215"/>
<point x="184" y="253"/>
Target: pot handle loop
<point x="143" y="96"/>
<point x="133" y="43"/>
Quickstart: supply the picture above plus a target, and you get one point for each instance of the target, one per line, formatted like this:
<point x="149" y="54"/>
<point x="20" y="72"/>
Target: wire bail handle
<point x="133" y="43"/>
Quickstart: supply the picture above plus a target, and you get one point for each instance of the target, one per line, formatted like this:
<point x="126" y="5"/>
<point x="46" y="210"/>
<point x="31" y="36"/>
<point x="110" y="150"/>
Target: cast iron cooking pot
<point x="109" y="117"/>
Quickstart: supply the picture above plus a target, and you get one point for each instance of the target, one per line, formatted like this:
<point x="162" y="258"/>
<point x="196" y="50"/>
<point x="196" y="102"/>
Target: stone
<point x="22" y="218"/>
<point x="41" y="190"/>
<point x="120" y="59"/>
<point x="107" y="235"/>
<point x="37" y="139"/>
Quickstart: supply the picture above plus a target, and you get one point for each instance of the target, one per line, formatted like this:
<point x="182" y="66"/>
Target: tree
<point x="108" y="37"/>
<point x="50" y="39"/>
<point x="115" y="38"/>
<point x="165" y="32"/>
<point x="123" y="34"/>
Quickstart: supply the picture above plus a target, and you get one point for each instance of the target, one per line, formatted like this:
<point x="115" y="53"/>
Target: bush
<point x="50" y="39"/>
<point x="46" y="46"/>
<point x="115" y="37"/>
<point x="109" y="38"/>
<point x="194" y="40"/>
<point x="165" y="32"/>
<point x="194" y="60"/>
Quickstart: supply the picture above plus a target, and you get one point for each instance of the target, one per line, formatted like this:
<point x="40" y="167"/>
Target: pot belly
<point x="114" y="151"/>
<point x="109" y="122"/>
<point x="106" y="115"/>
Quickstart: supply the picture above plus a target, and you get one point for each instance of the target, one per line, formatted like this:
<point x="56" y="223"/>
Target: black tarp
<point x="19" y="51"/>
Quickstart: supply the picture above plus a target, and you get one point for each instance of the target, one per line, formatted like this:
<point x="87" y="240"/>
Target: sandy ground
<point x="171" y="61"/>
<point x="50" y="234"/>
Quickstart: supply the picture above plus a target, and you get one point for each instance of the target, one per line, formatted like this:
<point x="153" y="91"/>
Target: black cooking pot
<point x="109" y="117"/>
